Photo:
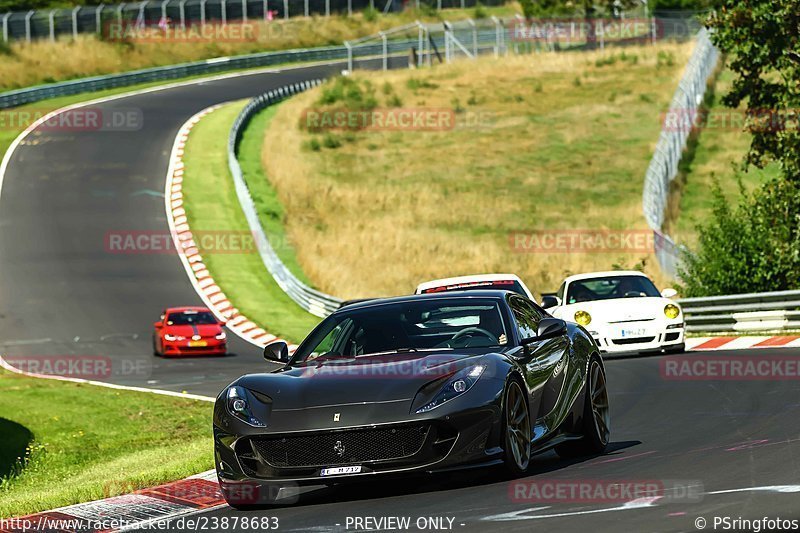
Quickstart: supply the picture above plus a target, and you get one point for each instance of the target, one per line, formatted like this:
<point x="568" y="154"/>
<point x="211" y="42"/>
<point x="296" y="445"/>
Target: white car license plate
<point x="631" y="333"/>
<point x="340" y="470"/>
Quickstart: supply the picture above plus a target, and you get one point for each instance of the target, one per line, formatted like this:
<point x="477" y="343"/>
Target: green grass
<point x="718" y="154"/>
<point x="70" y="442"/>
<point x="211" y="205"/>
<point x="559" y="143"/>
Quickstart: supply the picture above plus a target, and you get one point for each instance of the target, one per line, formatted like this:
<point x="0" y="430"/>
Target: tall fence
<point x="675" y="131"/>
<point x="313" y="301"/>
<point x="49" y="24"/>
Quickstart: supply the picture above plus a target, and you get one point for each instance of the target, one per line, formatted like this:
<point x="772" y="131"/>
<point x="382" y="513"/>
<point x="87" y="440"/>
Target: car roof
<point x="450" y="295"/>
<point x="467" y="279"/>
<point x="187" y="308"/>
<point x="605" y="274"/>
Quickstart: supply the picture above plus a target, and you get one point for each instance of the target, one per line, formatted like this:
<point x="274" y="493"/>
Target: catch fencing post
<point x="385" y="50"/>
<point x="182" y="10"/>
<point x="498" y="30"/>
<point x="5" y="27"/>
<point x="164" y="10"/>
<point x="474" y="37"/>
<point x="286" y="9"/>
<point x="75" y="22"/>
<point x="224" y="12"/>
<point x="202" y="13"/>
<point x="119" y="13"/>
<point x="98" y="18"/>
<point x="142" y="7"/>
<point x="305" y="8"/>
<point x="349" y="8"/>
<point x="439" y="5"/>
<point x="420" y="43"/>
<point x="52" y="18"/>
<point x="327" y="8"/>
<point x="28" y="16"/>
<point x="244" y="10"/>
<point x="349" y="56"/>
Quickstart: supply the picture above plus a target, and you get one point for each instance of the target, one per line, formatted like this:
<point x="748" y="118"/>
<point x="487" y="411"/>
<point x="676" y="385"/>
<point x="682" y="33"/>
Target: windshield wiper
<point x="403" y="350"/>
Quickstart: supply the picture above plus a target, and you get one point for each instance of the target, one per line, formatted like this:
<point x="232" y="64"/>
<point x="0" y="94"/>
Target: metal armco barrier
<point x="211" y="66"/>
<point x="315" y="302"/>
<point x="766" y="311"/>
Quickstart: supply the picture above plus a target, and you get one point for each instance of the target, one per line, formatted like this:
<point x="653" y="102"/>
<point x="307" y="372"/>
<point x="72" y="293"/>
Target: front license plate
<point x="198" y="343"/>
<point x="633" y="333"/>
<point x="340" y="470"/>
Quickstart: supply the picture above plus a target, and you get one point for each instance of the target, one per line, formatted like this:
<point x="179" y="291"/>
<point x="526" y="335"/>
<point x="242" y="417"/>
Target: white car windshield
<point x="610" y="287"/>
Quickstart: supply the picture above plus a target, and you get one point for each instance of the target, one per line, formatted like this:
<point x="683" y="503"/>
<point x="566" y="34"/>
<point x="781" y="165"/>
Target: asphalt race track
<point x="733" y="445"/>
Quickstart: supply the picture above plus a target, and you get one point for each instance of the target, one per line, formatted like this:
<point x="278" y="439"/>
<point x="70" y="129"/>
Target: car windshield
<point x="190" y="318"/>
<point x="439" y="324"/>
<point x="606" y="288"/>
<point x="500" y="284"/>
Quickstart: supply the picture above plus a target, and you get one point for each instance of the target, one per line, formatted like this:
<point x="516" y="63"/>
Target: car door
<point x="547" y="360"/>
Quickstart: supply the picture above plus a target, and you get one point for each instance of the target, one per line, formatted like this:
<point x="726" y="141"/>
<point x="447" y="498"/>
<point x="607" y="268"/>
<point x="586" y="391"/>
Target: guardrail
<point x="766" y="311"/>
<point x="315" y="302"/>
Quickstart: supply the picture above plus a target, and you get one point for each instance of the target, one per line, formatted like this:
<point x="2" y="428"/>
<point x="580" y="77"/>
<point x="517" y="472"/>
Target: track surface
<point x="62" y="293"/>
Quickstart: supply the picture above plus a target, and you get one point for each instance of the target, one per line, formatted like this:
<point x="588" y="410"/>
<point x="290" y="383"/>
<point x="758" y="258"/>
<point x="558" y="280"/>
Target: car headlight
<point x="457" y="385"/>
<point x="239" y="407"/>
<point x="221" y="336"/>
<point x="672" y="311"/>
<point x="583" y="318"/>
<point x="168" y="337"/>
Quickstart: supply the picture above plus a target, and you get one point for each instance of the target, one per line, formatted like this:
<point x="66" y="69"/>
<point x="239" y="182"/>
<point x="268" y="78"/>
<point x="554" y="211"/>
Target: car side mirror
<point x="550" y="301"/>
<point x="157" y="324"/>
<point x="548" y="328"/>
<point x="669" y="292"/>
<point x="551" y="327"/>
<point x="277" y="352"/>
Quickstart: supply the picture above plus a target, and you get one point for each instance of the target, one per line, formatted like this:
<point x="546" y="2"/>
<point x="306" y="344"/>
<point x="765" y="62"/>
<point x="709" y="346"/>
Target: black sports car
<point x="413" y="384"/>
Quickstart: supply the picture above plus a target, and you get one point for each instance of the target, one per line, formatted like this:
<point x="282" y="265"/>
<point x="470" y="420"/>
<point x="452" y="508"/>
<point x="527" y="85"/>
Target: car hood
<point x="619" y="309"/>
<point x="373" y="379"/>
<point x="204" y="330"/>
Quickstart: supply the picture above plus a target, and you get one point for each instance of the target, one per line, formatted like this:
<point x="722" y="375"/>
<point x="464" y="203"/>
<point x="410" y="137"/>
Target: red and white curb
<point x="129" y="511"/>
<point x="211" y="294"/>
<point x="742" y="343"/>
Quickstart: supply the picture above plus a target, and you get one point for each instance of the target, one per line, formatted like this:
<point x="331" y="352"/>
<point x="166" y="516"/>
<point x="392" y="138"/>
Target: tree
<point x="762" y="39"/>
<point x="754" y="247"/>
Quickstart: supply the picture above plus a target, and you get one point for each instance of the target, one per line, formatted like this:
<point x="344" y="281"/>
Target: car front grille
<point x="634" y="340"/>
<point x="342" y="447"/>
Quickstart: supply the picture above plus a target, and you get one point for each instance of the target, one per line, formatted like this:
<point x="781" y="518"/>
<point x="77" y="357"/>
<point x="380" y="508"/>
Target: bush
<point x="371" y="14"/>
<point x="479" y="12"/>
<point x="753" y="247"/>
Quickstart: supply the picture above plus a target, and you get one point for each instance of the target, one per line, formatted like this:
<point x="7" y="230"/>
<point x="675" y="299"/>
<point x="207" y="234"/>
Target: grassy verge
<point x="24" y="65"/>
<point x="549" y="143"/>
<point x="211" y="205"/>
<point x="78" y="442"/>
<point x="721" y="145"/>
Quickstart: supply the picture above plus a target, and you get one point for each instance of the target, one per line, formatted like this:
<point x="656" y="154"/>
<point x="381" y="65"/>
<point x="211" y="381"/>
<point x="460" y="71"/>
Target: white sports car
<point x="622" y="310"/>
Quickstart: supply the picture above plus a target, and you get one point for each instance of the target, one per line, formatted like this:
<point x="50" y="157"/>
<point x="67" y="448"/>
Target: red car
<point x="189" y="331"/>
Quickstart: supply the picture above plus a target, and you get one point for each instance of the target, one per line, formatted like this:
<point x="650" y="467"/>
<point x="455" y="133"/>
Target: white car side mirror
<point x="669" y="292"/>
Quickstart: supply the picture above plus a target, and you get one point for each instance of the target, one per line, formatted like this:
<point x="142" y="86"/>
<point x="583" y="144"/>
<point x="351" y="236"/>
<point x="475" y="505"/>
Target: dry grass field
<point x="23" y="65"/>
<point x="542" y="142"/>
